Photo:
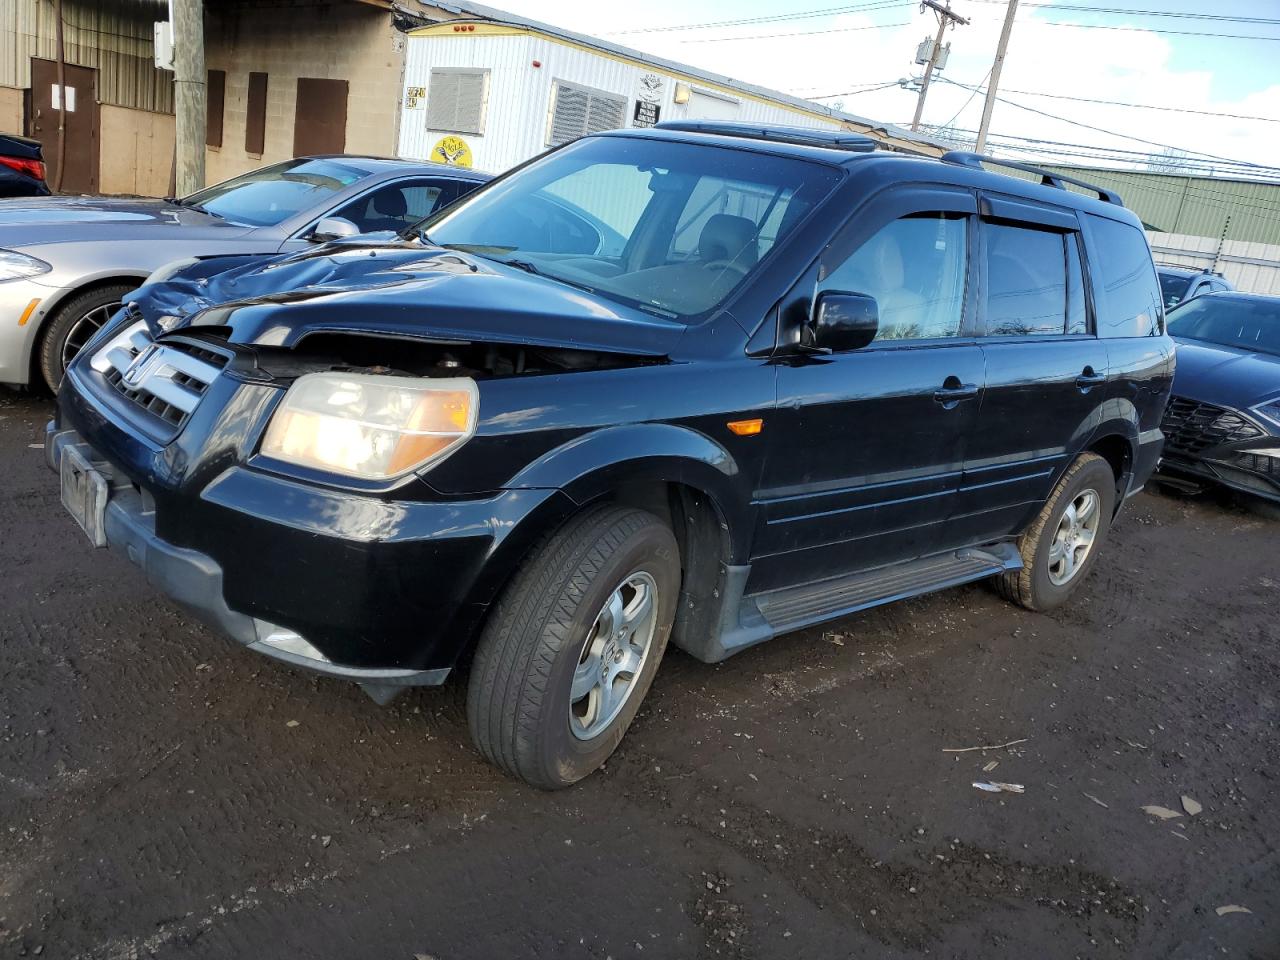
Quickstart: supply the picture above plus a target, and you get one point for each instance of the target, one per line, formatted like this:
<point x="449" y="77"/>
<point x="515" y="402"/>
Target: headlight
<point x="18" y="266"/>
<point x="1269" y="411"/>
<point x="162" y="274"/>
<point x="371" y="427"/>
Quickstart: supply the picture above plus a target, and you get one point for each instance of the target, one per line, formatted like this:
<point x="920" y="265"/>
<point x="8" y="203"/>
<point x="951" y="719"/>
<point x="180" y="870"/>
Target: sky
<point x="1133" y="57"/>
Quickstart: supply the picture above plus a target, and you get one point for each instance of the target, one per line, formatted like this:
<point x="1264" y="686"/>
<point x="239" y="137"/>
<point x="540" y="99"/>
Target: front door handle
<point x="1090" y="378"/>
<point x="953" y="391"/>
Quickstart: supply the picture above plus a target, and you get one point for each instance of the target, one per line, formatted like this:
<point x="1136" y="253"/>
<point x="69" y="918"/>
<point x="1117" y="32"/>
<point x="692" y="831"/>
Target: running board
<point x="797" y="607"/>
<point x="745" y="621"/>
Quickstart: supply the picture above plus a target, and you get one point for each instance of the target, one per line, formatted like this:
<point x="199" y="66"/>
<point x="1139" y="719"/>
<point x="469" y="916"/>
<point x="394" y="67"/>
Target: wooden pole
<point x="945" y="19"/>
<point x="990" y="101"/>
<point x="190" y="97"/>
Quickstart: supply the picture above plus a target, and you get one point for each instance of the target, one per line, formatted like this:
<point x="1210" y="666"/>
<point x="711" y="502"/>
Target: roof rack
<point x="965" y="158"/>
<point x="777" y="133"/>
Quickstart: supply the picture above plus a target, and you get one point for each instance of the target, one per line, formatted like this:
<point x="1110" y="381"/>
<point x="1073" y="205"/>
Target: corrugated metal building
<point x="1247" y="210"/>
<point x="490" y="89"/>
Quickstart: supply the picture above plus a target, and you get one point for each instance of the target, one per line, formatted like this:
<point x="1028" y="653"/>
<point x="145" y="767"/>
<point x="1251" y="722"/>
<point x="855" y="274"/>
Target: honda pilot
<point x="702" y="384"/>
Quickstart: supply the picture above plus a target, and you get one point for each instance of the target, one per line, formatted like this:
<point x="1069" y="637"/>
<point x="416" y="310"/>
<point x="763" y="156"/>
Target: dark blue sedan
<point x="1222" y="426"/>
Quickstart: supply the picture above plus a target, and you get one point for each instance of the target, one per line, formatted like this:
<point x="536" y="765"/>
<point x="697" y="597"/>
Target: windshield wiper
<point x="537" y="271"/>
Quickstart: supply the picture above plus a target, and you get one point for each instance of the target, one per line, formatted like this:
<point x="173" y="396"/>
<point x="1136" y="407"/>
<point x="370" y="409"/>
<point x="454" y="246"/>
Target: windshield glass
<point x="1232" y="322"/>
<point x="669" y="227"/>
<point x="1173" y="287"/>
<point x="273" y="194"/>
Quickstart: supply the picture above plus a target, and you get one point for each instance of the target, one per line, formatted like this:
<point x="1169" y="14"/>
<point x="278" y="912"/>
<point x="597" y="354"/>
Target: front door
<point x="71" y="114"/>
<point x="866" y="457"/>
<point x="1046" y="367"/>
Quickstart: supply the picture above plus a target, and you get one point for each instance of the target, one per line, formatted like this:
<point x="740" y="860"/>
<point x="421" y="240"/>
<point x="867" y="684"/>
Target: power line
<point x="1113" y="133"/>
<point x="854" y="93"/>
<point x="1145" y="106"/>
<point x="1124" y="11"/>
<point x="798" y="33"/>
<point x="774" y="18"/>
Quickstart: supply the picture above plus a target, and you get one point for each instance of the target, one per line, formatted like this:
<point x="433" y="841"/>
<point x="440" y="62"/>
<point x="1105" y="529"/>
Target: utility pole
<point x="945" y="19"/>
<point x="190" y="101"/>
<point x="994" y="84"/>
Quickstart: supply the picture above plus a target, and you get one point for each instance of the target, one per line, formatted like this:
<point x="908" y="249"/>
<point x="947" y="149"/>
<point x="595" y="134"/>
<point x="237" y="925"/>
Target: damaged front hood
<point x="397" y="289"/>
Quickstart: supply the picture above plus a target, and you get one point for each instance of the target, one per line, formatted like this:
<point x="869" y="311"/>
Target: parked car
<point x="784" y="399"/>
<point x="1222" y="427"/>
<point x="22" y="171"/>
<point x="66" y="263"/>
<point x="1178" y="284"/>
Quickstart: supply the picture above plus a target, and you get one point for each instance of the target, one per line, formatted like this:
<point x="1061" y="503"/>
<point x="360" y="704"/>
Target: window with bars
<point x="577" y="111"/>
<point x="456" y="100"/>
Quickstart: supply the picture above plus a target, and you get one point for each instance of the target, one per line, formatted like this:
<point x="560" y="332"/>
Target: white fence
<point x="1252" y="267"/>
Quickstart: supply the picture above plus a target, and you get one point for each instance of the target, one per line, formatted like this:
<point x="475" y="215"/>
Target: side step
<point x="797" y="607"/>
<point x="744" y="621"/>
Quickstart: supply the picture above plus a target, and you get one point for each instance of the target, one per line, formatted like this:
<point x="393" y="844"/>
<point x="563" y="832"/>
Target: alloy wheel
<point x="83" y="330"/>
<point x="1074" y="538"/>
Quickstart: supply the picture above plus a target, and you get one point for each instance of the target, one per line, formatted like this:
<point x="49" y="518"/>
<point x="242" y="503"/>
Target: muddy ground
<point x="164" y="793"/>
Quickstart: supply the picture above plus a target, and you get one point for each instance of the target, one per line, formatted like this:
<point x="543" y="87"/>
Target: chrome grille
<point x="165" y="379"/>
<point x="1191" y="427"/>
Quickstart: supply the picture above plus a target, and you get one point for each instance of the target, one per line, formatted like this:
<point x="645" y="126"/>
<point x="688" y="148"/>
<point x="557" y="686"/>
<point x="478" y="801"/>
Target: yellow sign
<point x="452" y="151"/>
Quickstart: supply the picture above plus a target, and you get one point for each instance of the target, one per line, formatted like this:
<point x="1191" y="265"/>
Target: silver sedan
<point x="67" y="263"/>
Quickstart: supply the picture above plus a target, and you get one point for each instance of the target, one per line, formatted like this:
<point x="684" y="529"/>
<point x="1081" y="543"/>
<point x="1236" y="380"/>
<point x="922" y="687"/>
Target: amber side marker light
<point x="26" y="314"/>
<point x="746" y="428"/>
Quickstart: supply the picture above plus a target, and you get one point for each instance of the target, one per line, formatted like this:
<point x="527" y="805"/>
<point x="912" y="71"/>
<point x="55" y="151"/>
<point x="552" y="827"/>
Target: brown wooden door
<point x="320" y="117"/>
<point x="81" y="175"/>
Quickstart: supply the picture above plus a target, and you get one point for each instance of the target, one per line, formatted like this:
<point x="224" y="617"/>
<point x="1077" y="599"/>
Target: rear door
<point x="866" y="456"/>
<point x="1046" y="367"/>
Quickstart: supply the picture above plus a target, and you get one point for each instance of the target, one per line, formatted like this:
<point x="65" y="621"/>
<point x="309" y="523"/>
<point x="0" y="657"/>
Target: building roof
<point x="885" y="131"/>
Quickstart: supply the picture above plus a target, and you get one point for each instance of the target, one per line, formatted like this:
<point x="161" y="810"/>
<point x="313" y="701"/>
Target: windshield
<point x="273" y="194"/>
<point x="1230" y="321"/>
<point x="670" y="227"/>
<point x="1173" y="287"/>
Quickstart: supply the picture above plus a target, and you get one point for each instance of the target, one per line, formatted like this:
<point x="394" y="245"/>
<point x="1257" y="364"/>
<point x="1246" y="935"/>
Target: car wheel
<point x="1063" y="541"/>
<point x="73" y="324"/>
<point x="571" y="647"/>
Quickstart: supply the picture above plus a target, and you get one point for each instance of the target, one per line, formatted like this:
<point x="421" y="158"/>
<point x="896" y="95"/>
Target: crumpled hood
<point x="42" y="220"/>
<point x="399" y="289"/>
<point x="1225" y="376"/>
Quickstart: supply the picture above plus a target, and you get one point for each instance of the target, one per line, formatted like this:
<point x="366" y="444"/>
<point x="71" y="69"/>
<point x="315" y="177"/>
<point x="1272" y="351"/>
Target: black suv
<point x="705" y="382"/>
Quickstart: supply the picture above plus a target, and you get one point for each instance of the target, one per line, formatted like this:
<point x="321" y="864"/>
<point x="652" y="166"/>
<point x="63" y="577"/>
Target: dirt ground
<point x="164" y="793"/>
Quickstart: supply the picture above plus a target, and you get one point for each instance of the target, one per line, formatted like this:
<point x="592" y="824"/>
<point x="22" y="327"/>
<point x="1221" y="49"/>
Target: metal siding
<point x="1252" y="267"/>
<point x="112" y="36"/>
<point x="1197" y="206"/>
<point x="519" y="98"/>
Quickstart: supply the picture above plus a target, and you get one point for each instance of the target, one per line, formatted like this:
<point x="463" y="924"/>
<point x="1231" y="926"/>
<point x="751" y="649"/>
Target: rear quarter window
<point x="1131" y="304"/>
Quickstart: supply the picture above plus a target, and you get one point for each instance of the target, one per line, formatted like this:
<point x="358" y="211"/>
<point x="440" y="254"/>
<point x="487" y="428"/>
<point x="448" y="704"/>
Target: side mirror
<point x="844" y="321"/>
<point x="333" y="228"/>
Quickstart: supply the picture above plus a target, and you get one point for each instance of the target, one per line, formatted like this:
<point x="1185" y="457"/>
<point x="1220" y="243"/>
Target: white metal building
<point x="490" y="93"/>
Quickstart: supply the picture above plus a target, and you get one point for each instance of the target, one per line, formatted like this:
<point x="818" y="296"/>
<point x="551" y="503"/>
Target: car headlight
<point x="1269" y="411"/>
<point x="372" y="427"/>
<point x="19" y="266"/>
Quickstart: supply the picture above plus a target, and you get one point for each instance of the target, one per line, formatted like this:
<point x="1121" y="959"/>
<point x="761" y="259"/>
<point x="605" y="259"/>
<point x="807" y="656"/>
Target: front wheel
<point x="571" y="647"/>
<point x="71" y="327"/>
<point x="1062" y="543"/>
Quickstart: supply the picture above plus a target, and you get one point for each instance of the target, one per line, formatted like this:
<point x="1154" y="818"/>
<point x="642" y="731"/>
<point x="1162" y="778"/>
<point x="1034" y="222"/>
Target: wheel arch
<point x="53" y="305"/>
<point x="1117" y="446"/>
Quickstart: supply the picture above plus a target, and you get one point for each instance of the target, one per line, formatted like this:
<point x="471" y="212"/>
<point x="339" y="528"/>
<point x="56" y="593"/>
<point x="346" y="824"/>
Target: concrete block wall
<point x="137" y="155"/>
<point x="344" y="41"/>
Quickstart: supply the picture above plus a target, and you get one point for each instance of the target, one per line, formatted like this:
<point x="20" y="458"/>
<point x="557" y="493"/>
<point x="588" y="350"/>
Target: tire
<point x="72" y="324"/>
<point x="1045" y="581"/>
<point x="549" y="630"/>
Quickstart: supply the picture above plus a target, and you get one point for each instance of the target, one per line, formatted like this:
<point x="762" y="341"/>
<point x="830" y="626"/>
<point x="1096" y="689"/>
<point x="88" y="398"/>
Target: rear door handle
<point x="954" y="394"/>
<point x="1088" y="378"/>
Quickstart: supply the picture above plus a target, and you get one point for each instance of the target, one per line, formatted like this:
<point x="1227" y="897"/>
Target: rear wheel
<point x="73" y="324"/>
<point x="1062" y="544"/>
<point x="570" y="649"/>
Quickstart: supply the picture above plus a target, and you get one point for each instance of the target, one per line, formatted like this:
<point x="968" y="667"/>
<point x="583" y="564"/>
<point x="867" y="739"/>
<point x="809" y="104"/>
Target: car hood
<point x="1225" y="376"/>
<point x="44" y="220"/>
<point x="398" y="289"/>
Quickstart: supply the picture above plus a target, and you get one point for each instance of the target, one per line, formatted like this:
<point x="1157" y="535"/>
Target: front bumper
<point x="195" y="580"/>
<point x="1242" y="470"/>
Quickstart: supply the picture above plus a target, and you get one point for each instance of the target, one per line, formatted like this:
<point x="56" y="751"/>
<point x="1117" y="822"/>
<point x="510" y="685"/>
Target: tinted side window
<point x="915" y="267"/>
<point x="393" y="207"/>
<point x="1131" y="301"/>
<point x="1026" y="281"/>
<point x="1077" y="307"/>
